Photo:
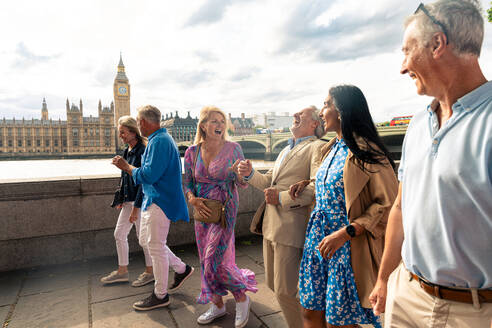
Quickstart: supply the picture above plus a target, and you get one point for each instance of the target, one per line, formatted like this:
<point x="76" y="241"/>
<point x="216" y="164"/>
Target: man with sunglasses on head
<point x="441" y="222"/>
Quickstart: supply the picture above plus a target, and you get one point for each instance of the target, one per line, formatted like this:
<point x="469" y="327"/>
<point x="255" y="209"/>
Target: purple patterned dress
<point x="219" y="272"/>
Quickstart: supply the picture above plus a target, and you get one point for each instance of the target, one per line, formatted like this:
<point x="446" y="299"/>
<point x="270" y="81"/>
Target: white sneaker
<point x="242" y="313"/>
<point x="212" y="313"/>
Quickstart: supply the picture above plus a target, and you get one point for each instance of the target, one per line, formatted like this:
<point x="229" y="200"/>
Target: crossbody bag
<point x="218" y="208"/>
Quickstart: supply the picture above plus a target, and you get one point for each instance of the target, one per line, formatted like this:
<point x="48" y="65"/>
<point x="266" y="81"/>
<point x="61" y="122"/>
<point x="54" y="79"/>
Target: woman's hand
<point x="296" y="189"/>
<point x="119" y="206"/>
<point x="331" y="243"/>
<point x="200" y="207"/>
<point x="134" y="214"/>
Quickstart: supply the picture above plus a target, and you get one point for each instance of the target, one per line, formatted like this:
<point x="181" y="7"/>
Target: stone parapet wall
<point x="59" y="221"/>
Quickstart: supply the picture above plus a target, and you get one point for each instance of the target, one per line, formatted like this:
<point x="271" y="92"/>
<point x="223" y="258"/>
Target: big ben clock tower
<point x="121" y="91"/>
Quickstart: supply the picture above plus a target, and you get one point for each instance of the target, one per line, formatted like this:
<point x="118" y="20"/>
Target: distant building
<point x="273" y="121"/>
<point x="242" y="125"/>
<point x="77" y="135"/>
<point x="180" y="128"/>
<point x="121" y="93"/>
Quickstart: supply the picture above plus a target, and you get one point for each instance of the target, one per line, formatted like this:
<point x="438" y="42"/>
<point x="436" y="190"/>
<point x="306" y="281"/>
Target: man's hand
<point x="120" y="163"/>
<point x="378" y="296"/>
<point x="134" y="214"/>
<point x="271" y="196"/>
<point x="245" y="167"/>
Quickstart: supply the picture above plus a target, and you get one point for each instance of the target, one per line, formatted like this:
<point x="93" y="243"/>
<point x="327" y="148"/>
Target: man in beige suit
<point x="284" y="220"/>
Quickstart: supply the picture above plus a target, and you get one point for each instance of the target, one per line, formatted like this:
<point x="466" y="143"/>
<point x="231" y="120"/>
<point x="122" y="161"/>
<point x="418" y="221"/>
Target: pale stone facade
<point x="78" y="135"/>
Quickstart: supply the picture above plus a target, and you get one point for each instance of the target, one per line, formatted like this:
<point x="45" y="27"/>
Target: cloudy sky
<point x="243" y="56"/>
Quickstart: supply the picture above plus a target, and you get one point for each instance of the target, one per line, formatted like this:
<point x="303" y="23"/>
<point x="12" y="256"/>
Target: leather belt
<point x="453" y="294"/>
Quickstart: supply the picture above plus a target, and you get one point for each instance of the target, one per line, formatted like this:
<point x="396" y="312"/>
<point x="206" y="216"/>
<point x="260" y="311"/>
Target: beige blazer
<point x="286" y="223"/>
<point x="369" y="196"/>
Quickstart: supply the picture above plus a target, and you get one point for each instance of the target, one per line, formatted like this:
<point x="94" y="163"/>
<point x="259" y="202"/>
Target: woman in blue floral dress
<point x="355" y="188"/>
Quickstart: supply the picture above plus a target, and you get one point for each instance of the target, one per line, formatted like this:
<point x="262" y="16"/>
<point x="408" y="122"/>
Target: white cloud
<point x="243" y="56"/>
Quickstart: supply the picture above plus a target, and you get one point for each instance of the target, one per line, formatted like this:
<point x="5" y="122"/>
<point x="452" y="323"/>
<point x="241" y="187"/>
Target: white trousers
<point x="123" y="227"/>
<point x="153" y="235"/>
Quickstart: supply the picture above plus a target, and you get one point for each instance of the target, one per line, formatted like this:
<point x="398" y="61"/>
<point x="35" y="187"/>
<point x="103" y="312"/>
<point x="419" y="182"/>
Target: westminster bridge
<point x="268" y="146"/>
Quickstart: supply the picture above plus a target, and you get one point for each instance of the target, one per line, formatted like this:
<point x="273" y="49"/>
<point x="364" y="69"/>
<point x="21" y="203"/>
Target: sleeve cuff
<point x="249" y="176"/>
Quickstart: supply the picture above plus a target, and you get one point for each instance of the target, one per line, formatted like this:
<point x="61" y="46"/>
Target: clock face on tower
<point x="122" y="90"/>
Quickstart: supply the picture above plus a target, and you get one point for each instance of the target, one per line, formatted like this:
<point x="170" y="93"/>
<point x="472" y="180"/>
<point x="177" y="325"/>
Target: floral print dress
<point x="219" y="272"/>
<point x="328" y="284"/>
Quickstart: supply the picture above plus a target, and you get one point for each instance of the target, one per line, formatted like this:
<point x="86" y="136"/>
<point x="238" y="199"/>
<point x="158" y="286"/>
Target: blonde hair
<point x="131" y="124"/>
<point x="204" y="117"/>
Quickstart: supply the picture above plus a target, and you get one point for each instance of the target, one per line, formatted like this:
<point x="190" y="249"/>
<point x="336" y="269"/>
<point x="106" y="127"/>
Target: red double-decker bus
<point x="401" y="120"/>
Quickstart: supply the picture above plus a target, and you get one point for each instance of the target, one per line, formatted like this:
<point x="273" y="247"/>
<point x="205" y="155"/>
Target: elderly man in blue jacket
<point x="163" y="202"/>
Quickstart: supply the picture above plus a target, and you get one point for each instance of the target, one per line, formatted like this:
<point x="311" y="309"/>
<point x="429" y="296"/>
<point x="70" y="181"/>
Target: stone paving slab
<point x="265" y="302"/>
<point x="59" y="309"/>
<point x="251" y="247"/>
<point x="119" y="313"/>
<point x="9" y="287"/>
<point x="4" y="310"/>
<point x="56" y="281"/>
<point x="275" y="320"/>
<point x="43" y="271"/>
<point x="101" y="293"/>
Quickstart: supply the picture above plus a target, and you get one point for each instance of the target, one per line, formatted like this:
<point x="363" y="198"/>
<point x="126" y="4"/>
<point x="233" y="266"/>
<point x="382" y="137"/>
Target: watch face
<point x="122" y="90"/>
<point x="350" y="230"/>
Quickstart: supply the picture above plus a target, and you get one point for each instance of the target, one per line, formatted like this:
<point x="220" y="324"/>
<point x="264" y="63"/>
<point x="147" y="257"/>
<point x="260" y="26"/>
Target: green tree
<point x="489" y="11"/>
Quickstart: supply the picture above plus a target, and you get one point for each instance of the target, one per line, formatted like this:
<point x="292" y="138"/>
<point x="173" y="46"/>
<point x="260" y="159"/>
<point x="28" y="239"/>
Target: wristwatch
<point x="350" y="230"/>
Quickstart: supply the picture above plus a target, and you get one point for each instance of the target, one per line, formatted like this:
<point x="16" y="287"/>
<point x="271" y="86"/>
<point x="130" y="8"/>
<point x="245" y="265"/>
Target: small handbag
<point x="118" y="197"/>
<point x="218" y="208"/>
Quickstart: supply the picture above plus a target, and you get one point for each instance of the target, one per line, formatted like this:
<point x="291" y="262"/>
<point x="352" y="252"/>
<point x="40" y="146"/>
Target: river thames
<point x="63" y="168"/>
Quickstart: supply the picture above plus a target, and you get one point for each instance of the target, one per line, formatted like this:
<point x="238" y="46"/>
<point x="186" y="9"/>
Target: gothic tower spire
<point x="121" y="93"/>
<point x="44" y="110"/>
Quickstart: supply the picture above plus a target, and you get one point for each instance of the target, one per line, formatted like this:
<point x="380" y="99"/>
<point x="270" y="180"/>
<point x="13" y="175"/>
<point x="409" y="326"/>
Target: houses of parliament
<point x="78" y="136"/>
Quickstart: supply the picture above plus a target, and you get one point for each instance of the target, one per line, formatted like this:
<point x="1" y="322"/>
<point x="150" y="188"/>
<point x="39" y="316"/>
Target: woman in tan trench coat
<point x="355" y="189"/>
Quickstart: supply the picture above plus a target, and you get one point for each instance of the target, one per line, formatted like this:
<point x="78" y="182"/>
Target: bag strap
<point x="193" y="168"/>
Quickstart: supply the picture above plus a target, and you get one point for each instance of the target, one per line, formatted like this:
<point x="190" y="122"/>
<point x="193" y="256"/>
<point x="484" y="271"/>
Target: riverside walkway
<point x="71" y="295"/>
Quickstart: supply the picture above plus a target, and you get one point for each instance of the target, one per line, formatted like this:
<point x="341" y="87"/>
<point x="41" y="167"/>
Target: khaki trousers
<point x="282" y="276"/>
<point x="408" y="305"/>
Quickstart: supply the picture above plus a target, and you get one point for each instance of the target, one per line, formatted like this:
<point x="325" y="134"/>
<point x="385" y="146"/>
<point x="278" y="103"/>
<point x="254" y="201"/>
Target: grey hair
<point x="320" y="130"/>
<point x="149" y="113"/>
<point x="462" y="20"/>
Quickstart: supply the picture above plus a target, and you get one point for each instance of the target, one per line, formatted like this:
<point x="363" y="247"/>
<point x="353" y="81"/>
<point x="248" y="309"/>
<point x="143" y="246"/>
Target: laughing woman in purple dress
<point x="215" y="179"/>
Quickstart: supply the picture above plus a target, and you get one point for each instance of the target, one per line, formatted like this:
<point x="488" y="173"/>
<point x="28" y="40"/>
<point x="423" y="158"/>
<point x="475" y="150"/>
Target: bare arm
<point x="391" y="256"/>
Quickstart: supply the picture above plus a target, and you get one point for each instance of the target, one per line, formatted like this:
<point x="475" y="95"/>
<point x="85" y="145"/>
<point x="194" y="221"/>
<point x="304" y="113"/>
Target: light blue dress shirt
<point x="160" y="176"/>
<point x="446" y="176"/>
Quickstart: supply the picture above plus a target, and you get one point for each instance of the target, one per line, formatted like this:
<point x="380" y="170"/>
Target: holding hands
<point x="245" y="168"/>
